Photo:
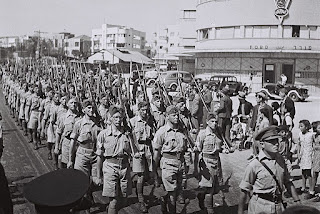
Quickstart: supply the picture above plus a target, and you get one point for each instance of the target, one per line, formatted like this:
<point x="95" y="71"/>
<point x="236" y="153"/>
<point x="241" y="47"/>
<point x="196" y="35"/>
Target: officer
<point x="50" y="197"/>
<point x="169" y="145"/>
<point x="265" y="177"/>
<point x="113" y="168"/>
<point x="65" y="126"/>
<point x="209" y="144"/>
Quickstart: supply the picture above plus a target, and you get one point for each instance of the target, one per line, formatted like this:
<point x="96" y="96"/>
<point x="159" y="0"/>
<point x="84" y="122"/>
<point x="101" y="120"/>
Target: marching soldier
<point x="265" y="177"/>
<point x="209" y="144"/>
<point x="142" y="125"/>
<point x="169" y="145"/>
<point x="33" y="109"/>
<point x="113" y="151"/>
<point x="85" y="132"/>
<point x="65" y="126"/>
<point x="158" y="115"/>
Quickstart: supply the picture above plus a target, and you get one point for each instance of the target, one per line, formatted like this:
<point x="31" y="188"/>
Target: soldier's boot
<point x="163" y="204"/>
<point x="112" y="208"/>
<point x="172" y="206"/>
<point x="142" y="204"/>
<point x="180" y="198"/>
<point x="208" y="202"/>
<point x="200" y="197"/>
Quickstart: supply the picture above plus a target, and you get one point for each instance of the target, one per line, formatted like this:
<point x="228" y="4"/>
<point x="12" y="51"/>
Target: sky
<point x="20" y="17"/>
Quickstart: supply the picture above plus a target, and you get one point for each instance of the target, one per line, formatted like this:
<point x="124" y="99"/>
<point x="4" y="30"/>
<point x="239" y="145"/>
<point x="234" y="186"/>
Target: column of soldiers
<point x="101" y="133"/>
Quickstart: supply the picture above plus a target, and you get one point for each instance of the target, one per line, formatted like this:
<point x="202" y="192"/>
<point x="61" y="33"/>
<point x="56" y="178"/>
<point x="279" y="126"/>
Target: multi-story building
<point x="263" y="38"/>
<point x="9" y="41"/>
<point x="171" y="42"/>
<point x="110" y="37"/>
<point x="79" y="46"/>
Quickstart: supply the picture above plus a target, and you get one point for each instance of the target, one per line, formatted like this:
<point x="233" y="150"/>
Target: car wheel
<point x="294" y="97"/>
<point x="173" y="87"/>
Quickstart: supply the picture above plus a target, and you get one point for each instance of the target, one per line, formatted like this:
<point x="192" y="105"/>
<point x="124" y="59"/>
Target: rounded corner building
<point x="261" y="39"/>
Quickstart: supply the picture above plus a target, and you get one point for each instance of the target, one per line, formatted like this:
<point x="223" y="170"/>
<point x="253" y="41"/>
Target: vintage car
<point x="171" y="79"/>
<point x="234" y="86"/>
<point x="294" y="92"/>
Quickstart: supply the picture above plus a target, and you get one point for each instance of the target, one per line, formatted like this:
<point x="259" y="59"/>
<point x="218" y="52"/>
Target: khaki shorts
<point x="65" y="148"/>
<point x="34" y="120"/>
<point x="116" y="179"/>
<point x="172" y="171"/>
<point x="86" y="161"/>
<point x="142" y="164"/>
<point x="259" y="205"/>
<point x="210" y="171"/>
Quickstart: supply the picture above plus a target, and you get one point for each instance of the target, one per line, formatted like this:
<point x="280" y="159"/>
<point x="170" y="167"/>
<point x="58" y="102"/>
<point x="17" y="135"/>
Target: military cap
<point x="269" y="133"/>
<point x="262" y="95"/>
<point x="86" y="103"/>
<point x="225" y="90"/>
<point x="50" y="196"/>
<point x="172" y="109"/>
<point x="142" y="104"/>
<point x="242" y="95"/>
<point x="115" y="109"/>
<point x="211" y="115"/>
<point x="178" y="99"/>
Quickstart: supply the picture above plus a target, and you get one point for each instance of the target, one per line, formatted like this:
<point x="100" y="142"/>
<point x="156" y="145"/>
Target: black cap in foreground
<point x="57" y="191"/>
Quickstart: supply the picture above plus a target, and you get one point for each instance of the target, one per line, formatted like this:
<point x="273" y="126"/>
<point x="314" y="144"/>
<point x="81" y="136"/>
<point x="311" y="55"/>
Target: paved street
<point x="23" y="164"/>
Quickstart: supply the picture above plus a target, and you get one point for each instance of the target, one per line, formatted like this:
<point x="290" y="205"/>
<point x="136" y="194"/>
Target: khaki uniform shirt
<point x="170" y="140"/>
<point x="66" y="123"/>
<point x="208" y="142"/>
<point x="85" y="131"/>
<point x="113" y="143"/>
<point x="258" y="180"/>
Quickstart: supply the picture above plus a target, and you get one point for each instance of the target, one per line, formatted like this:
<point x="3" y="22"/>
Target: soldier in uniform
<point x="196" y="108"/>
<point x="65" y="126"/>
<point x="158" y="115"/>
<point x="139" y="99"/>
<point x="47" y="118"/>
<point x="84" y="133"/>
<point x="143" y="130"/>
<point x="113" y="151"/>
<point x="45" y="106"/>
<point x="33" y="107"/>
<point x="209" y="144"/>
<point x="23" y="97"/>
<point x="169" y="145"/>
<point x="265" y="177"/>
<point x="103" y="108"/>
<point x="207" y="98"/>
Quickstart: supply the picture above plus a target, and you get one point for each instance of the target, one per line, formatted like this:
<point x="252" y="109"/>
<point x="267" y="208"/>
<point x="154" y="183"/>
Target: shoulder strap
<point x="272" y="174"/>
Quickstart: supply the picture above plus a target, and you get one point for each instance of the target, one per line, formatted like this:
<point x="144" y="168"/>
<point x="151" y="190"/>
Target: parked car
<point x="234" y="86"/>
<point x="295" y="93"/>
<point x="170" y="79"/>
<point x="149" y="75"/>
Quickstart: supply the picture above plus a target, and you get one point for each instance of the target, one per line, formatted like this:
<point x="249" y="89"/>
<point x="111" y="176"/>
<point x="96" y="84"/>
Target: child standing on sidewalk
<point x="316" y="156"/>
<point x="305" y="155"/>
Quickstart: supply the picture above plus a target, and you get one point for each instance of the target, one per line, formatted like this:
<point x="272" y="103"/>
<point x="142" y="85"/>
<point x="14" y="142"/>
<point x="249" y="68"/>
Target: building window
<point x="171" y="44"/>
<point x="313" y="32"/>
<point x="76" y="44"/>
<point x="248" y="31"/>
<point x="161" y="47"/>
<point x="304" y="32"/>
<point x="189" y="14"/>
<point x="67" y="44"/>
<point x="120" y="45"/>
<point x="261" y="31"/>
<point x="237" y="32"/>
<point x="295" y="31"/>
<point x="273" y="31"/>
<point x="287" y="32"/>
<point x="224" y="33"/>
<point x="204" y="33"/>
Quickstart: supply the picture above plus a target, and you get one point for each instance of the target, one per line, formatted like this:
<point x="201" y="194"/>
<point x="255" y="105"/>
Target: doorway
<point x="287" y="69"/>
<point x="269" y="73"/>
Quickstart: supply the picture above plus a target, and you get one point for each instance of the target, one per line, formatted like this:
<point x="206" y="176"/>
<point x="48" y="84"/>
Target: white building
<point x="110" y="37"/>
<point x="9" y="41"/>
<point x="78" y="46"/>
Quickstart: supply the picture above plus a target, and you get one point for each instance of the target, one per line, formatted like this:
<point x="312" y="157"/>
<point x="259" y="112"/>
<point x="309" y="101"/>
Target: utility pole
<point x="39" y="46"/>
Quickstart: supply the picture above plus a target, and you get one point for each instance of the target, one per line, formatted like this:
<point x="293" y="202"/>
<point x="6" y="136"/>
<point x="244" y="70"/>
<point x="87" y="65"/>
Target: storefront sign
<point x="281" y="9"/>
<point x="266" y="47"/>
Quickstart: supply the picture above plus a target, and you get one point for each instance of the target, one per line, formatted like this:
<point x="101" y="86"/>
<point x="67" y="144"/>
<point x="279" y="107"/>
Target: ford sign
<point x="281" y="12"/>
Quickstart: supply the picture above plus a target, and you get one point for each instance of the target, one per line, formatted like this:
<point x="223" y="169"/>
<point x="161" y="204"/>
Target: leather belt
<point x="146" y="142"/>
<point x="270" y="197"/>
<point x="173" y="155"/>
<point x="210" y="156"/>
<point x="85" y="150"/>
<point x="118" y="160"/>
